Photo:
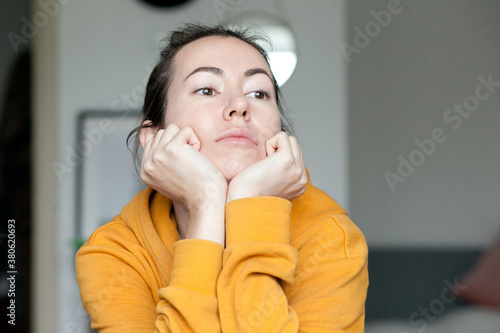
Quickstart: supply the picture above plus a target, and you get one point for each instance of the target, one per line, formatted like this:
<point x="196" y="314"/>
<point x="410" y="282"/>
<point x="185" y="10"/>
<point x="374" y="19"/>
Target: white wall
<point x="401" y="85"/>
<point x="93" y="52"/>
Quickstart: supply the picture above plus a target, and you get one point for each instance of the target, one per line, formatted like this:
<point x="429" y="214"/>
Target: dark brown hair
<point x="155" y="99"/>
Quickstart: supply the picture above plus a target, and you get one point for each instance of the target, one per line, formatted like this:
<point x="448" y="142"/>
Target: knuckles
<point x="147" y="168"/>
<point x="303" y="179"/>
<point x="287" y="161"/>
<point x="282" y="134"/>
<point x="145" y="177"/>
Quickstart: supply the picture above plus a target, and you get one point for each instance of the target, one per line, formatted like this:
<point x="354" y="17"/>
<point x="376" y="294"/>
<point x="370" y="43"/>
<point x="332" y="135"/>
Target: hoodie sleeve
<point x="189" y="303"/>
<point x="266" y="285"/>
<point x="115" y="278"/>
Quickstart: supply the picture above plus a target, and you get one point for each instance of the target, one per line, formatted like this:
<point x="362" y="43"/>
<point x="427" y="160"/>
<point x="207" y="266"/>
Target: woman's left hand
<point x="280" y="174"/>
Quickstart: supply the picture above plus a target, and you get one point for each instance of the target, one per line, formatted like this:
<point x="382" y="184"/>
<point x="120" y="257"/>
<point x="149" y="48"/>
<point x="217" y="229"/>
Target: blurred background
<point x="396" y="105"/>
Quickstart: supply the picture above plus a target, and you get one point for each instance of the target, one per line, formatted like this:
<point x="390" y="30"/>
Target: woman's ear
<point x="146" y="133"/>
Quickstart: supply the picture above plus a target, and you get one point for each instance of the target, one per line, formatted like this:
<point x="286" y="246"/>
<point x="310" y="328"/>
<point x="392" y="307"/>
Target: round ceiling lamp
<point x="283" y="53"/>
<point x="164" y="3"/>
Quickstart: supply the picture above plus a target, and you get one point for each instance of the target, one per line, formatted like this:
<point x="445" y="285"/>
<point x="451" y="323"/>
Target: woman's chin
<point x="231" y="168"/>
<point x="232" y="163"/>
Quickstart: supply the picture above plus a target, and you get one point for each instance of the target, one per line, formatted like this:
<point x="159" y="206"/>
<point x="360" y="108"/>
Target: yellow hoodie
<point x="297" y="266"/>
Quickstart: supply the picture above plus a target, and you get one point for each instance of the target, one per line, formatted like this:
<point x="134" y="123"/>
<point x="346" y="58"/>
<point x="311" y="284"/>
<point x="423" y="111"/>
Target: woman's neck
<point x="206" y="223"/>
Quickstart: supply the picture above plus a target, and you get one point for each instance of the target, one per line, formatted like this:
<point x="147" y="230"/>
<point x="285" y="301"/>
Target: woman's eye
<point x="206" y="91"/>
<point x="260" y="94"/>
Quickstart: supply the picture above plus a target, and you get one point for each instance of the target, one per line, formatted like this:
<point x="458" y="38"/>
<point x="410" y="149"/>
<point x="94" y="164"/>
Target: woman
<point x="230" y="235"/>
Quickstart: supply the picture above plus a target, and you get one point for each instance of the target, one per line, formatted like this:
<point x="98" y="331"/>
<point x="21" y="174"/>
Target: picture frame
<point x="106" y="177"/>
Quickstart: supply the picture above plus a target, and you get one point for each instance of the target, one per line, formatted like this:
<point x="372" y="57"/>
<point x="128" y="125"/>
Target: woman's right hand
<point x="173" y="165"/>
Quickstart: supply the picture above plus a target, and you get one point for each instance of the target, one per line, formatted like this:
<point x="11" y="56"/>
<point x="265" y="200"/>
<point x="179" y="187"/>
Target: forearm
<point x="258" y="262"/>
<point x="189" y="303"/>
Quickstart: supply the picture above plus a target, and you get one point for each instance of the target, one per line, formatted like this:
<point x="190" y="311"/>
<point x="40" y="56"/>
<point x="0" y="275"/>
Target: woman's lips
<point x="236" y="135"/>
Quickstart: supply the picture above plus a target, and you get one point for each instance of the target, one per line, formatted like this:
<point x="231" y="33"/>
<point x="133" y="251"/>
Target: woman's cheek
<point x="267" y="133"/>
<point x="194" y="117"/>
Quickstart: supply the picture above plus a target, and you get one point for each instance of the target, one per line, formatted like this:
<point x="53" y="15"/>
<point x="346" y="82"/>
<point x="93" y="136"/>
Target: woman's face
<point x="222" y="87"/>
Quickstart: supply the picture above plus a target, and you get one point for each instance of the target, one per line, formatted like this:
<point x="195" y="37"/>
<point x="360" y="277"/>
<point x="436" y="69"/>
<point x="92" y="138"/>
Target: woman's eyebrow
<point x="214" y="70"/>
<point x="258" y="70"/>
<point x="220" y="72"/>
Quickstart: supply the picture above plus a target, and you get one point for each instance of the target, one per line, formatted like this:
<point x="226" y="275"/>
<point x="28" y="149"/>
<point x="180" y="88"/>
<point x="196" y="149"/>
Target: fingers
<point x="281" y="174"/>
<point x="296" y="151"/>
<point x="172" y="134"/>
<point x="164" y="136"/>
<point x="151" y="143"/>
<point x="279" y="142"/>
<point x="299" y="161"/>
<point x="157" y="143"/>
<point x="285" y="144"/>
<point x="292" y="147"/>
<point x="171" y="131"/>
<point x="147" y="147"/>
<point x="187" y="136"/>
<point x="146" y="133"/>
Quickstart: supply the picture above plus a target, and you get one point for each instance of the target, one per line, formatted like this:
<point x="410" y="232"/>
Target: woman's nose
<point x="237" y="106"/>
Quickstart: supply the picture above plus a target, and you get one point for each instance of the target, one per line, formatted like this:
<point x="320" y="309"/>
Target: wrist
<point x="209" y="196"/>
<point x="207" y="222"/>
<point x="240" y="192"/>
